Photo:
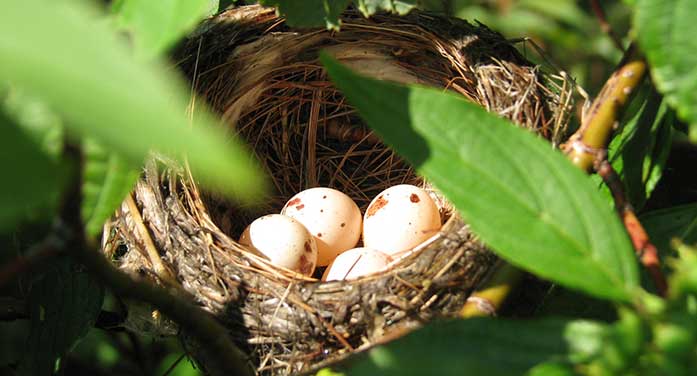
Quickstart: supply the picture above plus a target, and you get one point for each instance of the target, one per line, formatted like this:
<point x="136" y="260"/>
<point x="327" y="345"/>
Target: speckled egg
<point x="355" y="263"/>
<point x="285" y="241"/>
<point x="331" y="216"/>
<point x="400" y="218"/>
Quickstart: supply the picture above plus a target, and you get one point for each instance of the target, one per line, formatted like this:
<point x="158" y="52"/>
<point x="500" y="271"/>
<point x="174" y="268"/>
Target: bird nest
<point x="265" y="80"/>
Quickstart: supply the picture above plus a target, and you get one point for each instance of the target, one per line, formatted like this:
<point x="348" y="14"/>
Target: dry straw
<point x="266" y="81"/>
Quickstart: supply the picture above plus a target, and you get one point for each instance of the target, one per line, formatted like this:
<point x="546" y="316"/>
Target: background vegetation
<point x="87" y="92"/>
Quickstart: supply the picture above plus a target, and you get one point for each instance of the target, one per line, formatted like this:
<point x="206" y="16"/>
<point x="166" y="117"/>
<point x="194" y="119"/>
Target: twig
<point x="150" y="250"/>
<point x="604" y="25"/>
<point x="603" y="116"/>
<point x="647" y="252"/>
<point x="176" y="362"/>
<point x="489" y="297"/>
<point x="25" y="263"/>
<point x="229" y="359"/>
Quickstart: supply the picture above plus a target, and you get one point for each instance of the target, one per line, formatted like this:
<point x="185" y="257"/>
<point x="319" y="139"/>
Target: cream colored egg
<point x="285" y="241"/>
<point x="400" y="218"/>
<point x="331" y="217"/>
<point x="355" y="263"/>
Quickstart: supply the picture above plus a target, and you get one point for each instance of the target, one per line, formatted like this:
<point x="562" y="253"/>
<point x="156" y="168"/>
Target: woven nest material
<point x="266" y="81"/>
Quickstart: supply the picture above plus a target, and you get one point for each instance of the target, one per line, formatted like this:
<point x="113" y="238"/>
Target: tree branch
<point x="229" y="360"/>
<point x="647" y="252"/>
<point x="604" y="114"/>
<point x="604" y="25"/>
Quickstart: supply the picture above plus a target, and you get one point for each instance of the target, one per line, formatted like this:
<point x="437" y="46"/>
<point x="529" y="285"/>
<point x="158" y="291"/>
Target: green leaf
<point x="639" y="152"/>
<point x="37" y="121"/>
<point x="482" y="346"/>
<point x="525" y="200"/>
<point x="107" y="179"/>
<point x="63" y="305"/>
<point x="157" y="25"/>
<point x="104" y="93"/>
<point x="665" y="31"/>
<point x="665" y="224"/>
<point x="370" y="7"/>
<point x="310" y="13"/>
<point x="30" y="178"/>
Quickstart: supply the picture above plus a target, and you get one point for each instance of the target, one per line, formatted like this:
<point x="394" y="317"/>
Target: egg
<point x="331" y="216"/>
<point x="400" y="218"/>
<point x="285" y="241"/>
<point x="355" y="263"/>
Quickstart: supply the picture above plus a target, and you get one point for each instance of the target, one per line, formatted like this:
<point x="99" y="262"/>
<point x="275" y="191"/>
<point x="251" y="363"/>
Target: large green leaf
<point x="37" y="121"/>
<point x="157" y="25"/>
<point x="665" y="30"/>
<point x="525" y="200"/>
<point x="58" y="51"/>
<point x="106" y="180"/>
<point x="30" y="179"/>
<point x="665" y="224"/>
<point x="63" y="305"/>
<point x="482" y="346"/>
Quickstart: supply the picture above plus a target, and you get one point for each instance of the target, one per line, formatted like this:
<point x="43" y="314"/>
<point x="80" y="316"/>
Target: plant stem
<point x="604" y="114"/>
<point x="230" y="360"/>
<point x="647" y="252"/>
<point x="604" y="25"/>
<point x="487" y="300"/>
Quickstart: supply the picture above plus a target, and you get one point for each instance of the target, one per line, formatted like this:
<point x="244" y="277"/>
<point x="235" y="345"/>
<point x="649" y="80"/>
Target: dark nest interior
<point x="265" y="80"/>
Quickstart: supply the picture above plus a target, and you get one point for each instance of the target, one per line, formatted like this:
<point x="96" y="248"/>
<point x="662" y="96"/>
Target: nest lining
<point x="267" y="83"/>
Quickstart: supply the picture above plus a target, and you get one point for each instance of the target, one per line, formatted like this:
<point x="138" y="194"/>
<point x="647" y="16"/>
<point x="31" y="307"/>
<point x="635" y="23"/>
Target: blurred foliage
<point x="566" y="32"/>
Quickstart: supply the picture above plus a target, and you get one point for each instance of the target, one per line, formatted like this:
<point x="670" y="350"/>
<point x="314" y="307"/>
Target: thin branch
<point x="647" y="252"/>
<point x="603" y="116"/>
<point x="25" y="263"/>
<point x="604" y="25"/>
<point x="229" y="360"/>
<point x="174" y="365"/>
<point x="489" y="297"/>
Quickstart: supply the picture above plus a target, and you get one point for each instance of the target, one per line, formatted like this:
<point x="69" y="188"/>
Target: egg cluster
<point x="323" y="226"/>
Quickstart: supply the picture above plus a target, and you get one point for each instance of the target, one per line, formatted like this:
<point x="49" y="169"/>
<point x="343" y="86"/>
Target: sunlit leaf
<point x="156" y="25"/>
<point x="665" y="30"/>
<point x="525" y="200"/>
<point x="106" y="180"/>
<point x="103" y="92"/>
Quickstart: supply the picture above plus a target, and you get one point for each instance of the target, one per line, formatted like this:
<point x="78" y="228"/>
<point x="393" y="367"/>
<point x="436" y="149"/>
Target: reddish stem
<point x="647" y="252"/>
